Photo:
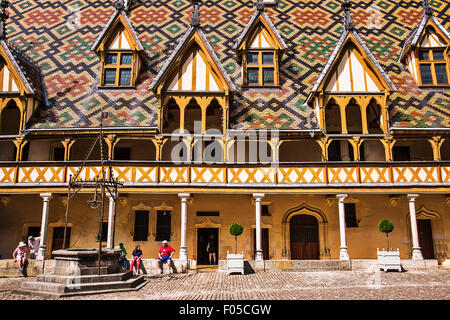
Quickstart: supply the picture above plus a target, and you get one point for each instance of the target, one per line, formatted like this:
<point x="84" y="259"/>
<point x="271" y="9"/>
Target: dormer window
<point x="120" y="52"/>
<point x="260" y="60"/>
<point x="426" y="52"/>
<point x="259" y="50"/>
<point x="433" y="66"/>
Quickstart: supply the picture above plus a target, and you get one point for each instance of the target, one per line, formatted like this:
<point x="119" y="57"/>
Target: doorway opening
<point x="203" y="237"/>
<point x="304" y="237"/>
<point x="425" y="238"/>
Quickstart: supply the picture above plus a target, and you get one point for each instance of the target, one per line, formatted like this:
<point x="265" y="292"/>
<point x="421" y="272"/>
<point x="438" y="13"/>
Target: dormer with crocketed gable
<point x="259" y="50"/>
<point x="120" y="51"/>
<point x="426" y="52"/>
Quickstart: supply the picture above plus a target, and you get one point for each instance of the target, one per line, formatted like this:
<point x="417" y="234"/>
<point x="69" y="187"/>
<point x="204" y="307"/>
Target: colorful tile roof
<point x="59" y="35"/>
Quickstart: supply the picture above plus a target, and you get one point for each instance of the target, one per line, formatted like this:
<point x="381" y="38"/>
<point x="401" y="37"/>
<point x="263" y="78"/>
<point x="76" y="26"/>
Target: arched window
<point x="353" y="116"/>
<point x="333" y="118"/>
<point x="171" y="117"/>
<point x="193" y="117"/>
<point x="214" y="116"/>
<point x="340" y="150"/>
<point x="374" y="118"/>
<point x="10" y="120"/>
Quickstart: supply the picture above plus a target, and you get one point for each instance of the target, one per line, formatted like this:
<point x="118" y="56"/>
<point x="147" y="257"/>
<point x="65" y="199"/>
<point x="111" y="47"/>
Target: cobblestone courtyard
<point x="338" y="285"/>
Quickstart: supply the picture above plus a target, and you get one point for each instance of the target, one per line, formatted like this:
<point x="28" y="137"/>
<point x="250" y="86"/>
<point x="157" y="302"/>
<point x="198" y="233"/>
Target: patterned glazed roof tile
<point x="59" y="35"/>
<point x="29" y="74"/>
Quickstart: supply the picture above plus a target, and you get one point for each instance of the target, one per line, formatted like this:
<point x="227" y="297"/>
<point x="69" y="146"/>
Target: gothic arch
<point x="438" y="233"/>
<point x="306" y="209"/>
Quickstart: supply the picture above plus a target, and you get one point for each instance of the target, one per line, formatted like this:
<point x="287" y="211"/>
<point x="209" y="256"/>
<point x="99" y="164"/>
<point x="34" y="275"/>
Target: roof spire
<point x="3" y="16"/>
<point x="195" y="22"/>
<point x="260" y="5"/>
<point x="427" y="9"/>
<point x="348" y="21"/>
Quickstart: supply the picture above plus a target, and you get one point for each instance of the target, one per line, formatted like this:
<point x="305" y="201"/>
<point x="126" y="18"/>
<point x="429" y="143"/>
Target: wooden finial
<point x="196" y="14"/>
<point x="348" y="21"/>
<point x="260" y="5"/>
<point x="427" y="9"/>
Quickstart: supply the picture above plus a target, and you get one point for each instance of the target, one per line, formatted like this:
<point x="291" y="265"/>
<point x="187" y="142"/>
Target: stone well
<point x="76" y="272"/>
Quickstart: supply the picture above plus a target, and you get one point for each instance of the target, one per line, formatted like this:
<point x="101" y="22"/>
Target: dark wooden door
<point x="425" y="238"/>
<point x="304" y="236"/>
<point x="264" y="242"/>
<point x="58" y="238"/>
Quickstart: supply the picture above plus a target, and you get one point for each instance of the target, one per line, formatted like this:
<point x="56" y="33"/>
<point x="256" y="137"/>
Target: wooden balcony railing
<point x="313" y="174"/>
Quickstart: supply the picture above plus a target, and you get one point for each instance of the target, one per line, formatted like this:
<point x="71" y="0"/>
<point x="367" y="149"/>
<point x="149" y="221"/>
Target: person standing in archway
<point x="211" y="248"/>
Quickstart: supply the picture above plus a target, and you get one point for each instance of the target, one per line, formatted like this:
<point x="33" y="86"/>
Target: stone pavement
<point x="329" y="285"/>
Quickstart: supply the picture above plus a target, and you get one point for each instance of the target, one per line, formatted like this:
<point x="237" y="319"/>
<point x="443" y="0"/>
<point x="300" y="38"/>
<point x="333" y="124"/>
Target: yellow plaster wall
<point x="23" y="210"/>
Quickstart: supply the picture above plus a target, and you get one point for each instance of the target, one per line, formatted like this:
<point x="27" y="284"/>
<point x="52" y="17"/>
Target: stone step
<point x="59" y="290"/>
<point x="86" y="278"/>
<point x="84" y="271"/>
<point x="54" y="288"/>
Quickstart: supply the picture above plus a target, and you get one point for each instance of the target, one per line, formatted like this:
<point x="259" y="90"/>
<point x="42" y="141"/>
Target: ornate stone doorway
<point x="305" y="231"/>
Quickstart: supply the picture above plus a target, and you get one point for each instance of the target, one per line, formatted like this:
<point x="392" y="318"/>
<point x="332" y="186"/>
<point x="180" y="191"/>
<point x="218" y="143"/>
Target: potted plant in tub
<point x="235" y="262"/>
<point x="388" y="259"/>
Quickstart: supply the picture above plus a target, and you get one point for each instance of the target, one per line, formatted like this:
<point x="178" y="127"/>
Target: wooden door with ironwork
<point x="304" y="238"/>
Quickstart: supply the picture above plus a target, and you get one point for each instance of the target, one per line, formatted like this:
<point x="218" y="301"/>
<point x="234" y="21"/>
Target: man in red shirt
<point x="165" y="255"/>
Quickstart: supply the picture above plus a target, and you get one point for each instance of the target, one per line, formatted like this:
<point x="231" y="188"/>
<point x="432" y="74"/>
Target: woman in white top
<point x="20" y="255"/>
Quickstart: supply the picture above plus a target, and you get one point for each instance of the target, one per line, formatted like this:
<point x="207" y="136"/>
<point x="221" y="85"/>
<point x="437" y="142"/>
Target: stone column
<point x="111" y="222"/>
<point x="416" y="252"/>
<point x="343" y="252"/>
<point x="44" y="225"/>
<point x="258" y="254"/>
<point x="184" y="206"/>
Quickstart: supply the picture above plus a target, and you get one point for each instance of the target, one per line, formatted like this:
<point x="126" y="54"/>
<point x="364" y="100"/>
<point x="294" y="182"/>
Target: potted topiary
<point x="235" y="262"/>
<point x="388" y="259"/>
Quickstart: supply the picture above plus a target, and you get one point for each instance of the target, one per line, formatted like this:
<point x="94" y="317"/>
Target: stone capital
<point x="341" y="197"/>
<point x="46" y="196"/>
<point x="185" y="197"/>
<point x="412" y="197"/>
<point x="258" y="196"/>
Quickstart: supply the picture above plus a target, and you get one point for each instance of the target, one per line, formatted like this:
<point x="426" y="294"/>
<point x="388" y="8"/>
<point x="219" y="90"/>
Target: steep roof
<point x="310" y="29"/>
<point x="29" y="73"/>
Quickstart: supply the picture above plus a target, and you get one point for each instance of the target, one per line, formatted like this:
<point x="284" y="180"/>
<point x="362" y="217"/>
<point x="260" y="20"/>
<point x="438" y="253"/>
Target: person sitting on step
<point x="136" y="258"/>
<point x="165" y="255"/>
